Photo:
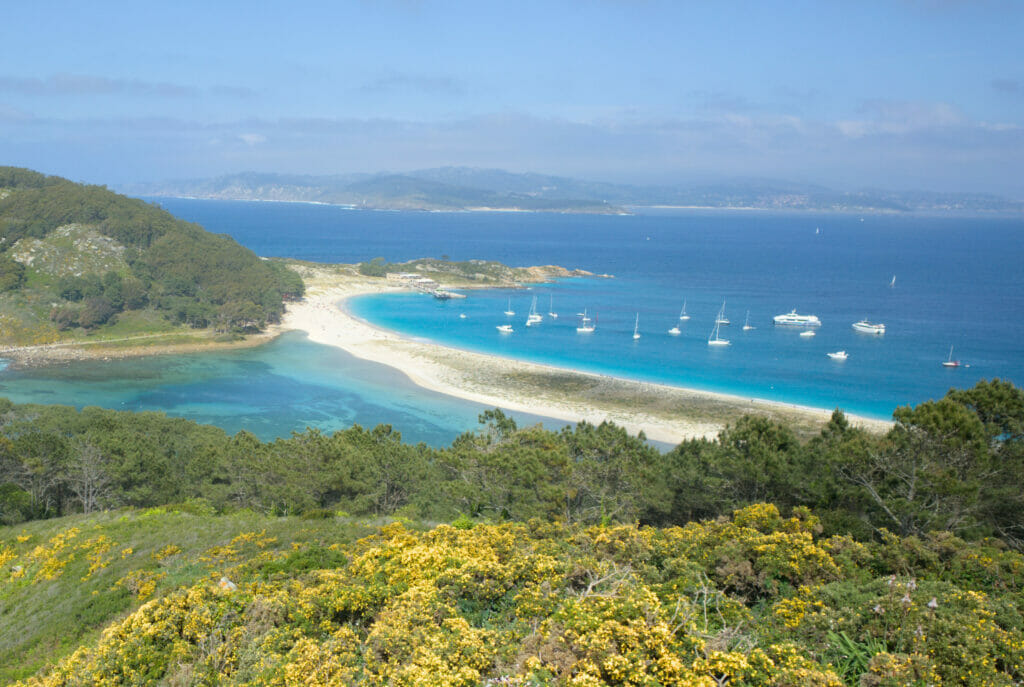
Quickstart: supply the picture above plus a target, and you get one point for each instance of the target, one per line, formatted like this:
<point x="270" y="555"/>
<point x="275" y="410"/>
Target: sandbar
<point x="664" y="413"/>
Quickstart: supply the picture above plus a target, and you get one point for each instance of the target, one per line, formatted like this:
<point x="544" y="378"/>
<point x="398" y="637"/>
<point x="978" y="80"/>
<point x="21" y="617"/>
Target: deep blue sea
<point x="959" y="283"/>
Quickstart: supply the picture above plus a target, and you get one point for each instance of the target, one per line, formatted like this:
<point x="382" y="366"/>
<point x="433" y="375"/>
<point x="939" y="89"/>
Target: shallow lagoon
<point x="271" y="391"/>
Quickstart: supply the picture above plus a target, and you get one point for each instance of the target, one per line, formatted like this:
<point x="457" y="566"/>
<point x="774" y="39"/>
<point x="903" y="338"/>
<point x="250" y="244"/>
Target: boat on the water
<point x="586" y="325"/>
<point x="869" y="328"/>
<point x="949" y="362"/>
<point x="793" y="319"/>
<point x="508" y="310"/>
<point x="505" y="328"/>
<point x="746" y="325"/>
<point x="715" y="339"/>
<point x="462" y="315"/>
<point x="551" y="308"/>
<point x="533" y="318"/>
<point x="838" y="355"/>
<point x="636" y="328"/>
<point x="808" y="334"/>
<point x="722" y="319"/>
<point x="682" y="313"/>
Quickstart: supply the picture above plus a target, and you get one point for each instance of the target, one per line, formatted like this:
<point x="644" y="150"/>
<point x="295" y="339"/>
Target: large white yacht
<point x="798" y="320"/>
<point x="869" y="328"/>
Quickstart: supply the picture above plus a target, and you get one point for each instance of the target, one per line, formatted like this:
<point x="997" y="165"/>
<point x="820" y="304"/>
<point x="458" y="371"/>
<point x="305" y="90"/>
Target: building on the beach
<point x="403" y="277"/>
<point x="413" y="279"/>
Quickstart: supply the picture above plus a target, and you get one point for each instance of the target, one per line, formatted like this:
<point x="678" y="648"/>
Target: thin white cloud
<point x="252" y="139"/>
<point x="889" y="117"/>
<point x="898" y="145"/>
<point x="66" y="84"/>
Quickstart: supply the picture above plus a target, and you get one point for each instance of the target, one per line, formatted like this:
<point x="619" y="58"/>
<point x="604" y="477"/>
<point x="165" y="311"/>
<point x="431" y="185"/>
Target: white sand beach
<point x="664" y="413"/>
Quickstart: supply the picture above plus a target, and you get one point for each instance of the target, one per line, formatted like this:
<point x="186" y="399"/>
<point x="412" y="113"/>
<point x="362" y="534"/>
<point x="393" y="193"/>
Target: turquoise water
<point x="271" y="391"/>
<point x="958" y="282"/>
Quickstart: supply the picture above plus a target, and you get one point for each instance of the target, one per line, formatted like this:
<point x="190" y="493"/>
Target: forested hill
<point x="77" y="257"/>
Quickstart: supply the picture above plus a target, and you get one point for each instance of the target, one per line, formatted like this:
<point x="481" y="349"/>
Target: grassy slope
<point x="45" y="619"/>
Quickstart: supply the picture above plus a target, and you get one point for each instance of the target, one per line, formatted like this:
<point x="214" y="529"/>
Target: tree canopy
<point x="175" y="267"/>
<point x="945" y="466"/>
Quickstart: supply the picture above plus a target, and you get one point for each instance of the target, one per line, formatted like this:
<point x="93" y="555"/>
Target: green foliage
<point x="851" y="657"/>
<point x="876" y="583"/>
<point x="188" y="274"/>
<point x="17" y="177"/>
<point x="12" y="274"/>
<point x="69" y="578"/>
<point x="378" y="267"/>
<point x="941" y="468"/>
<point x="246" y="599"/>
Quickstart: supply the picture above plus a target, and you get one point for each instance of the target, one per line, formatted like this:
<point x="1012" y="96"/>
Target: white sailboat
<point x="586" y="326"/>
<point x="746" y="325"/>
<point x="683" y="317"/>
<point x="949" y="362"/>
<point x="722" y="319"/>
<point x="715" y="339"/>
<point x="682" y="313"/>
<point x="892" y="284"/>
<point x="636" y="328"/>
<point x="533" y="318"/>
<point x="551" y="308"/>
<point x="508" y="310"/>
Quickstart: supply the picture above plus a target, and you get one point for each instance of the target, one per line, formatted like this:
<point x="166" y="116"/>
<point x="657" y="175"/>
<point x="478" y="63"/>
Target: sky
<point x="851" y="94"/>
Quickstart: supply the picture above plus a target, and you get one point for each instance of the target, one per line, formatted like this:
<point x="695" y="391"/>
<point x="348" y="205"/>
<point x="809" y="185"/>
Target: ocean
<point x="958" y="282"/>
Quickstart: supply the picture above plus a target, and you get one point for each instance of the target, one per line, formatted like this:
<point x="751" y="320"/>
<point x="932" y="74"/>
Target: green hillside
<point x="76" y="259"/>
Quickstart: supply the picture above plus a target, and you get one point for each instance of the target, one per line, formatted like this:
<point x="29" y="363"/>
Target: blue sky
<point x="914" y="94"/>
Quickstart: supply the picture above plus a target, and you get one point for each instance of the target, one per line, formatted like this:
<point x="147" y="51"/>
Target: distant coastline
<point x="462" y="189"/>
<point x="349" y="206"/>
<point x="625" y="210"/>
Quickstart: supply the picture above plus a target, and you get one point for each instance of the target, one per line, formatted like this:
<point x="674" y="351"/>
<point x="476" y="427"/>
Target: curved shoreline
<point x="664" y="413"/>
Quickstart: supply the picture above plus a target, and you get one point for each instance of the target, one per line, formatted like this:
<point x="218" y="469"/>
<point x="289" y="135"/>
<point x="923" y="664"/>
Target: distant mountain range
<point x="465" y="188"/>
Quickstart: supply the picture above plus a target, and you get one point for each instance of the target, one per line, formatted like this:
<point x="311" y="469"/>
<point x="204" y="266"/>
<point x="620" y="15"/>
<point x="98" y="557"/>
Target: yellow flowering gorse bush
<point x="754" y="600"/>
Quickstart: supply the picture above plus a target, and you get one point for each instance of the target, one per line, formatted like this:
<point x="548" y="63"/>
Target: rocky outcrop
<point x="71" y="250"/>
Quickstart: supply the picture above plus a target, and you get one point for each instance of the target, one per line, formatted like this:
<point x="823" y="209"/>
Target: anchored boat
<point x="793" y="319"/>
<point x="866" y="327"/>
